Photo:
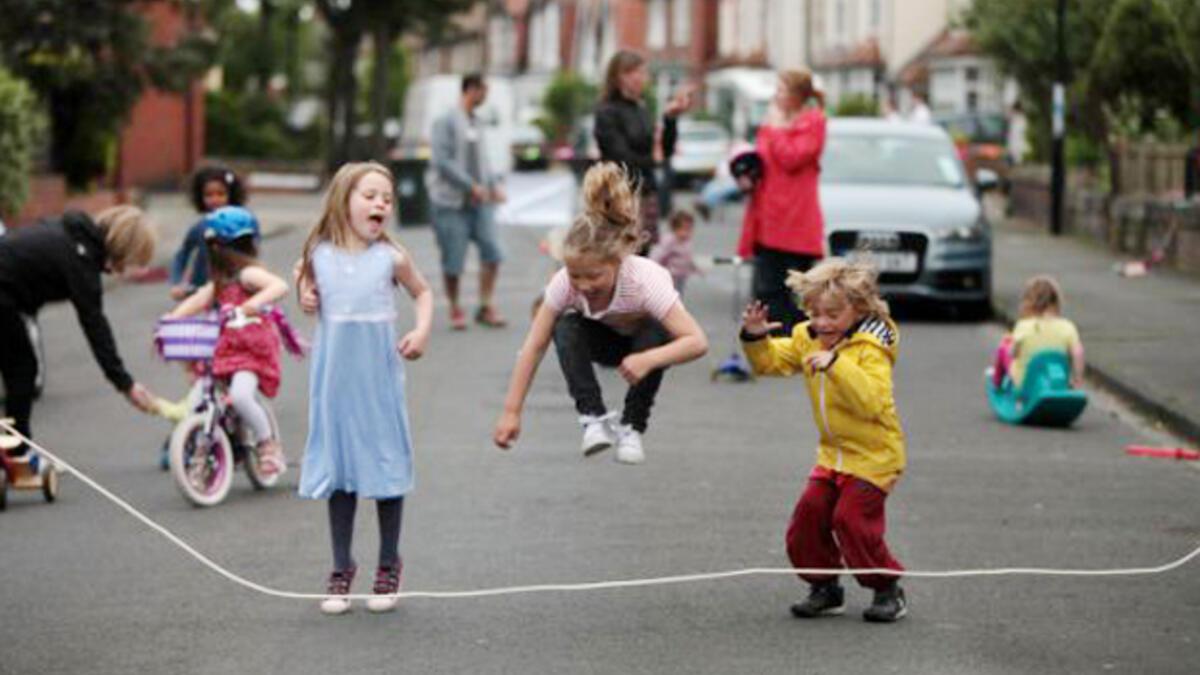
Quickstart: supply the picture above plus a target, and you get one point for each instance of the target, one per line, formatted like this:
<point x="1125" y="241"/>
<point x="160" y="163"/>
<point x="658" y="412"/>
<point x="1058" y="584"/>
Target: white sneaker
<point x="338" y="588"/>
<point x="598" y="434"/>
<point x="334" y="606"/>
<point x="629" y="445"/>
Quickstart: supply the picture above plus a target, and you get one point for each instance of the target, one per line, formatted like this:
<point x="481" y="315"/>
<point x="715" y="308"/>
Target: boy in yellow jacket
<point x="846" y="352"/>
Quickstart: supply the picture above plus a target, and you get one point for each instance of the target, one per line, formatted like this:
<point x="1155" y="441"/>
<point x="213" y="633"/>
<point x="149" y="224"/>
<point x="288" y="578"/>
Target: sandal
<point x="487" y="316"/>
<point x="458" y="320"/>
<point x="271" y="461"/>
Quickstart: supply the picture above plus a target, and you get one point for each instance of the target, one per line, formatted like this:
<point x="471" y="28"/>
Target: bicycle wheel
<point x="249" y="442"/>
<point x="202" y="464"/>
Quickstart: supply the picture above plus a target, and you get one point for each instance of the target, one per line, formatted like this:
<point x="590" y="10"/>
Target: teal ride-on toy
<point x="1044" y="399"/>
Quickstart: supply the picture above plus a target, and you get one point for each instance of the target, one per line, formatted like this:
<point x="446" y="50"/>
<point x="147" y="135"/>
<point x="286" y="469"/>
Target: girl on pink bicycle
<point x="247" y="351"/>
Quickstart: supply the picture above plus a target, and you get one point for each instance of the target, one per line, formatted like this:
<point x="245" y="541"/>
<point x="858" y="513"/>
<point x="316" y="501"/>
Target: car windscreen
<point x="890" y="160"/>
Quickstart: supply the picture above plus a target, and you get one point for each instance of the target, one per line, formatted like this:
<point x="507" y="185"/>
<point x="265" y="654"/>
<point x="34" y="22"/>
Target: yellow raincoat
<point x="852" y="400"/>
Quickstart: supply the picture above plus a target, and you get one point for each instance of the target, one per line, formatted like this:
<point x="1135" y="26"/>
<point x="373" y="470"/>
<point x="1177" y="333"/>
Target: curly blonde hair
<point x="1042" y="294"/>
<point x="855" y="282"/>
<point x="609" y="227"/>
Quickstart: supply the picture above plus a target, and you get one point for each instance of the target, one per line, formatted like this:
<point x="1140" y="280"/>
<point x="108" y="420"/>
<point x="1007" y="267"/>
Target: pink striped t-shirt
<point x="643" y="288"/>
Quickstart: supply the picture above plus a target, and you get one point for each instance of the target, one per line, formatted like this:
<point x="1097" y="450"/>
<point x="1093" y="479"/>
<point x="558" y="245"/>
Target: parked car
<point x="897" y="193"/>
<point x="529" y="149"/>
<point x="699" y="150"/>
<point x="982" y="136"/>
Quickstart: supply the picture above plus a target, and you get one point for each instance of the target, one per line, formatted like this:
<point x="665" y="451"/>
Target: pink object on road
<point x="1167" y="453"/>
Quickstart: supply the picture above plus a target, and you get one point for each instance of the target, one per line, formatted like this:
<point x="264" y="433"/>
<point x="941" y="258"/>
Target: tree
<point x="1020" y="35"/>
<point x="1141" y="61"/>
<point x="20" y="126"/>
<point x="89" y="63"/>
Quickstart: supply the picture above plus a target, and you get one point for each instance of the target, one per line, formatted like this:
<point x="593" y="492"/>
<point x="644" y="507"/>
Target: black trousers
<point x="580" y="342"/>
<point x="771" y="267"/>
<point x="18" y="367"/>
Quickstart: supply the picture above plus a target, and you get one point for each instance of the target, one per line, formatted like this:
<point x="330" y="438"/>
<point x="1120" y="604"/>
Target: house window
<point x="840" y="18"/>
<point x="972" y="74"/>
<point x="876" y="14"/>
<point x="681" y="22"/>
<point x="656" y="29"/>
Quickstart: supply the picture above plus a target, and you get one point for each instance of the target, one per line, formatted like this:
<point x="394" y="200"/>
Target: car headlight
<point x="973" y="232"/>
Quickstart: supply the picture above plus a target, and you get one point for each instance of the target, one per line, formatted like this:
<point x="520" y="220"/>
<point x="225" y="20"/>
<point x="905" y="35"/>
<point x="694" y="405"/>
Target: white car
<point x="896" y="193"/>
<point x="700" y="148"/>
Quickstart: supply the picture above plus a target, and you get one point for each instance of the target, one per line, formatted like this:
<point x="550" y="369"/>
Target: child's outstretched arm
<point x="195" y="303"/>
<point x="508" y="427"/>
<point x="689" y="343"/>
<point x="768" y="355"/>
<point x="267" y="288"/>
<point x="413" y="344"/>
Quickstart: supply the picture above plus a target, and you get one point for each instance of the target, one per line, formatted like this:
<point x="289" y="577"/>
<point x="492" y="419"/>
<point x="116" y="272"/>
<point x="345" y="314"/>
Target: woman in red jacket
<point x="783" y="228"/>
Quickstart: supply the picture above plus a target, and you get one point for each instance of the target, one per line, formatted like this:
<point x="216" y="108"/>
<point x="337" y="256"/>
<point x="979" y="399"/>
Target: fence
<point x="1149" y="169"/>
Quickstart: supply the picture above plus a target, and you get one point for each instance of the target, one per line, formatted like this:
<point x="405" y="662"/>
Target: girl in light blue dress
<point x="358" y="430"/>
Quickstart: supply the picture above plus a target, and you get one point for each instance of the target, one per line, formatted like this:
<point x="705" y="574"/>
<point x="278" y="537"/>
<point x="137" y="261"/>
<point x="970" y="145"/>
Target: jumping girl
<point x="607" y="306"/>
<point x="358" y="428"/>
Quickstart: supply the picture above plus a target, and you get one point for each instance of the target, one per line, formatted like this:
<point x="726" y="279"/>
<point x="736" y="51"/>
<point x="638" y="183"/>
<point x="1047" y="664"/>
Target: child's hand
<point x="821" y="360"/>
<point x="635" y="367"/>
<point x="310" y="301"/>
<point x="508" y="427"/>
<point x="755" y="322"/>
<point x="412" y="345"/>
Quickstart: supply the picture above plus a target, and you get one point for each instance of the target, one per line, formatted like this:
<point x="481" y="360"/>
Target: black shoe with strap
<point x="828" y="599"/>
<point x="888" y="605"/>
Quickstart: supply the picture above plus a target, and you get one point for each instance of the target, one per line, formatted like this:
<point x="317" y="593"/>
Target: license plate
<point x="903" y="262"/>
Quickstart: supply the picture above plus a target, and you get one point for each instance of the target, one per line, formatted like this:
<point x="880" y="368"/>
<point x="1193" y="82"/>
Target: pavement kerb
<point x="1177" y="421"/>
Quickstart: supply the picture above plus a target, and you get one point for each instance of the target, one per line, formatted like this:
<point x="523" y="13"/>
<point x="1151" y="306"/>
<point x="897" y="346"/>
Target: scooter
<point x="26" y="472"/>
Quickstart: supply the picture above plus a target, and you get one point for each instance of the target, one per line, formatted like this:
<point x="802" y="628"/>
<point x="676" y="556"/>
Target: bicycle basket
<point x="192" y="338"/>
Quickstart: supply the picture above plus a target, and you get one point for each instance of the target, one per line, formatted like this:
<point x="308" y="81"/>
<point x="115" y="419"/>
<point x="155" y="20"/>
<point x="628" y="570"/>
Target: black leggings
<point x="18" y="367"/>
<point x="342" y="506"/>
<point x="581" y="342"/>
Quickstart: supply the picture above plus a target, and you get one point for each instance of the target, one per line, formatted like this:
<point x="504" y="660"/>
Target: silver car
<point x="896" y="193"/>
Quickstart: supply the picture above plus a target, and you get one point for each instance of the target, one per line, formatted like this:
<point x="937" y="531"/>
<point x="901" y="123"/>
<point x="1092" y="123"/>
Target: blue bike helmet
<point x="229" y="223"/>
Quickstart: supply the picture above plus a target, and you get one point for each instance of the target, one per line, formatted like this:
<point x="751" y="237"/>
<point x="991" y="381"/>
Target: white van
<point x="430" y="97"/>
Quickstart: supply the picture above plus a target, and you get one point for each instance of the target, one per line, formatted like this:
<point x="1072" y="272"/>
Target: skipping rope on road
<point x="596" y="585"/>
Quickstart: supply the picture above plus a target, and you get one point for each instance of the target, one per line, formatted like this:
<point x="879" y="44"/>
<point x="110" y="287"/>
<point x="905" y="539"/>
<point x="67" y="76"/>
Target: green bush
<point x="253" y="126"/>
<point x="856" y="105"/>
<point x="568" y="98"/>
<point x="20" y="130"/>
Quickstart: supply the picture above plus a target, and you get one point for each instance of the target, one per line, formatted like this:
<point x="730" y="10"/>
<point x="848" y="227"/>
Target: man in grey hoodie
<point x="463" y="187"/>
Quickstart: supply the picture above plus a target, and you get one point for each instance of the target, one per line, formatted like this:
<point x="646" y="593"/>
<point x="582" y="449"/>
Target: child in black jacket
<point x="63" y="260"/>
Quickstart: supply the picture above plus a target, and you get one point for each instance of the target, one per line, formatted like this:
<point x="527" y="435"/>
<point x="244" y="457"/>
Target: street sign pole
<point x="1058" y="175"/>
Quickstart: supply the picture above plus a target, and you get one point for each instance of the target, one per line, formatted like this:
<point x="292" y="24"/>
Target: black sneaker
<point x="889" y="605"/>
<point x="823" y="600"/>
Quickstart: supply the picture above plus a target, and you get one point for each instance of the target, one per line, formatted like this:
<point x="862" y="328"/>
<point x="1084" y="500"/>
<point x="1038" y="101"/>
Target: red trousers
<point x="840" y="518"/>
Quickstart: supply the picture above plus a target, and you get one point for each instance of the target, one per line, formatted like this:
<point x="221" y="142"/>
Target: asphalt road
<point x="84" y="588"/>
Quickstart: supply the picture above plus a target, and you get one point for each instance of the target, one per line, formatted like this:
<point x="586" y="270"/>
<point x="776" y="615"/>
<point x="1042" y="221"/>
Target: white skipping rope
<point x="596" y="585"/>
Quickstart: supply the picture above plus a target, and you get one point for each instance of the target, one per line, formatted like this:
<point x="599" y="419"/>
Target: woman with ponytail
<point x="607" y="306"/>
<point x="783" y="229"/>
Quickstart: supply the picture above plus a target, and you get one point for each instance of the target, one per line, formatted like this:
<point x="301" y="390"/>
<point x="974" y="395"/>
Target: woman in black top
<point x="625" y="132"/>
<point x="63" y="260"/>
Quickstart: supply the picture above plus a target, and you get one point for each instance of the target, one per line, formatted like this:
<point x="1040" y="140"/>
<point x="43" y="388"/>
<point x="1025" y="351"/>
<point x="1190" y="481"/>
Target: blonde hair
<point x="1041" y="294"/>
<point x="799" y="84"/>
<point x="609" y="227"/>
<point x="854" y="282"/>
<point x="334" y="224"/>
<point x="129" y="236"/>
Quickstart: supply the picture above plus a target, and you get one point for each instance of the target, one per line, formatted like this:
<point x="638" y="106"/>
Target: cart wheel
<point x="50" y="484"/>
<point x="3" y="489"/>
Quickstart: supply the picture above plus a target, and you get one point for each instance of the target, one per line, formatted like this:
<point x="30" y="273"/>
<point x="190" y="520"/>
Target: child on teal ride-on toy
<point x="1039" y="367"/>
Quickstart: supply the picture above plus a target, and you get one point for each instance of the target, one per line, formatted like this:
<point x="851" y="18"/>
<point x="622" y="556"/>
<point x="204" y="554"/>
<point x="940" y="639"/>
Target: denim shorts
<point x="455" y="228"/>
